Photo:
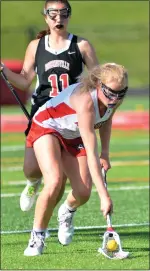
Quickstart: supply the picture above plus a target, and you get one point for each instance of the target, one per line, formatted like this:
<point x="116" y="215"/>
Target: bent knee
<point x="84" y="194"/>
<point x="53" y="187"/>
<point x="32" y="171"/>
<point x="31" y="168"/>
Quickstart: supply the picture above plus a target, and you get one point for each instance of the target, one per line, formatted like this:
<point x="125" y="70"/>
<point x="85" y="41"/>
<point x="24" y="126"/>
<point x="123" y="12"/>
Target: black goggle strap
<point x="64" y="12"/>
<point x="104" y="91"/>
<point x="119" y="94"/>
<point x="111" y="105"/>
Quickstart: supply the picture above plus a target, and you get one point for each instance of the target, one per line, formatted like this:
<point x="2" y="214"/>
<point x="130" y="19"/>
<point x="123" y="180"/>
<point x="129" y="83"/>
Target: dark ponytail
<point x="43" y="33"/>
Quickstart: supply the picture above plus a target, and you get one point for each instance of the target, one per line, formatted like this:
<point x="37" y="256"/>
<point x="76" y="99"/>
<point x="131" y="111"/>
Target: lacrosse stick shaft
<point x="16" y="96"/>
<point x="108" y="218"/>
<point x="109" y="223"/>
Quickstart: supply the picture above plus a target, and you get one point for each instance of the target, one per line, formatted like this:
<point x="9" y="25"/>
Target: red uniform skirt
<point x="73" y="146"/>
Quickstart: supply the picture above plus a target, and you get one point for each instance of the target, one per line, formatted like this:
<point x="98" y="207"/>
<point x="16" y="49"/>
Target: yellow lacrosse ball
<point x="112" y="245"/>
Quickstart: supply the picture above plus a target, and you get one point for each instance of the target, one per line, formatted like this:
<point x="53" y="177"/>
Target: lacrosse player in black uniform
<point x="56" y="58"/>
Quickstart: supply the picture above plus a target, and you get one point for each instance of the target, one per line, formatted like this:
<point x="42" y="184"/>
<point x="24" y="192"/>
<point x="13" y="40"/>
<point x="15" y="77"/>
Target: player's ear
<point x="44" y="14"/>
<point x="45" y="18"/>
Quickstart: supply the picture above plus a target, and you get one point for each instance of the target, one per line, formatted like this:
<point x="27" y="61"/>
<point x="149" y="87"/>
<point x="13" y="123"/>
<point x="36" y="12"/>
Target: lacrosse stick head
<point x="113" y="253"/>
<point x="111" y="247"/>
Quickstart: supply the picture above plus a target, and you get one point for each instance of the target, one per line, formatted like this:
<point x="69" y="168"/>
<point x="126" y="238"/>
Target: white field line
<point x="12" y="148"/>
<point x="115" y="164"/>
<point x="15" y="183"/>
<point x="10" y="169"/>
<point x="121" y="188"/>
<point x="23" y="182"/>
<point x="22" y="147"/>
<point x="84" y="228"/>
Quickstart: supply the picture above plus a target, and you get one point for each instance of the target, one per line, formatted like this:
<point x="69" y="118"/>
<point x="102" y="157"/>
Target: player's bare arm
<point x="105" y="135"/>
<point x="88" y="53"/>
<point x="86" y="116"/>
<point x="24" y="79"/>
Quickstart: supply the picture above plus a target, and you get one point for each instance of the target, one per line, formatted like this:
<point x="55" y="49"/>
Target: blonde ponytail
<point x="89" y="81"/>
<point x="103" y="73"/>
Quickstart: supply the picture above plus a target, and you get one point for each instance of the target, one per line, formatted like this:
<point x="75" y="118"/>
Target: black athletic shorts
<point x="34" y="108"/>
<point x="39" y="101"/>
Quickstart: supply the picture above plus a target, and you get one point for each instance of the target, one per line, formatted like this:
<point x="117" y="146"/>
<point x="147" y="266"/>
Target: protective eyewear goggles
<point x="112" y="94"/>
<point x="52" y="13"/>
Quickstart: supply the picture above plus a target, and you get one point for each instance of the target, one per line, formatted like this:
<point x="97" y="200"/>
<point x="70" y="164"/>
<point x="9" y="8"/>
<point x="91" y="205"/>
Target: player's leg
<point x="48" y="153"/>
<point x="31" y="171"/>
<point x="33" y="174"/>
<point x="34" y="177"/>
<point x="76" y="169"/>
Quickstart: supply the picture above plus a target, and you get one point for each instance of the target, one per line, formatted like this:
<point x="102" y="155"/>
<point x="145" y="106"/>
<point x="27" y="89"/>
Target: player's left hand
<point x="105" y="162"/>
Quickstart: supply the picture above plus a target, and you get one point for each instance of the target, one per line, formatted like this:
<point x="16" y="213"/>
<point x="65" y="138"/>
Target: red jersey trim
<point x="58" y="111"/>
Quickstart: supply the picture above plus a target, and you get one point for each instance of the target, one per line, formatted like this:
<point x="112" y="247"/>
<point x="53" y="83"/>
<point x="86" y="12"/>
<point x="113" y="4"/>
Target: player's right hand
<point x="106" y="205"/>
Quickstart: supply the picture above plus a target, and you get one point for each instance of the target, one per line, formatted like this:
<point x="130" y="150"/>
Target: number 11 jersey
<point x="56" y="69"/>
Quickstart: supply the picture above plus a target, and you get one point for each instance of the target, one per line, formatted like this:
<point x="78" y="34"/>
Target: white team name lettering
<point x="57" y="63"/>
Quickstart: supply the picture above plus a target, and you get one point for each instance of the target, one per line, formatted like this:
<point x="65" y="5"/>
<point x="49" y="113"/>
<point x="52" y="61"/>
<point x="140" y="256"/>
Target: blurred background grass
<point x="119" y="31"/>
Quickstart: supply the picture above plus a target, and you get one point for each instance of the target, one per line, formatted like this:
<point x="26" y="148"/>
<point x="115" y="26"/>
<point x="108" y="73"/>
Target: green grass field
<point x="117" y="29"/>
<point x="128" y="186"/>
<point x="119" y="32"/>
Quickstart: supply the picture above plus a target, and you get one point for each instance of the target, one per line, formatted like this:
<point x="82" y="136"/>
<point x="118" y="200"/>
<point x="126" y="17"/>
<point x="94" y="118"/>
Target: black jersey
<point x="56" y="69"/>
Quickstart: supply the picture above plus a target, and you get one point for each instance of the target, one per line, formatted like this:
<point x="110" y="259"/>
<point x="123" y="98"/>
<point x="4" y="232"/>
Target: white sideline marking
<point x="16" y="183"/>
<point x="13" y="148"/>
<point x="84" y="228"/>
<point x="121" y="188"/>
<point x="115" y="164"/>
<point x="22" y="147"/>
<point x="11" y="169"/>
<point x="23" y="182"/>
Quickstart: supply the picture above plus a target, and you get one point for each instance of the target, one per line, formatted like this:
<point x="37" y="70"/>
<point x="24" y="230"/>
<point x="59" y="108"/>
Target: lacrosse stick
<point x="16" y="96"/>
<point x="111" y="237"/>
